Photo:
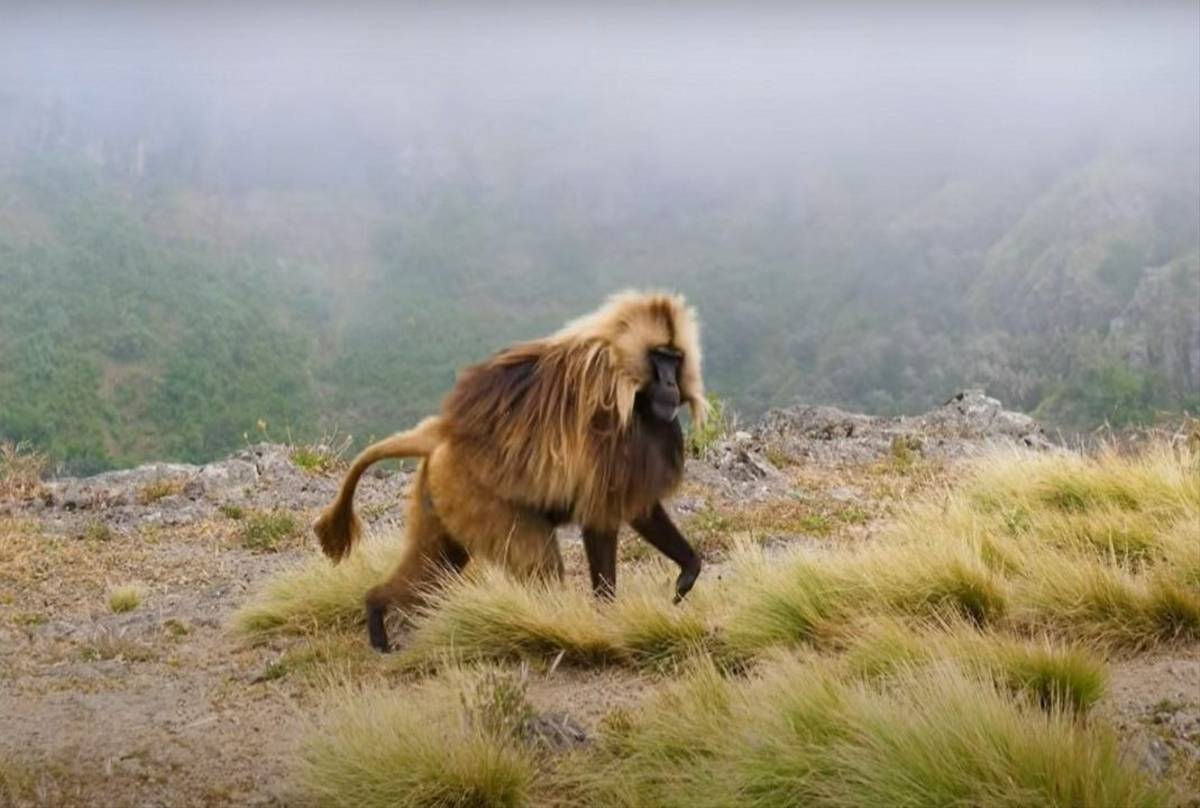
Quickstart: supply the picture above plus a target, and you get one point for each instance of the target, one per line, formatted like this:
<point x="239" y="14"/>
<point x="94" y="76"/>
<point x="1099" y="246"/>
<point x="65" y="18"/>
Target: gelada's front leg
<point x="658" y="529"/>
<point x="601" y="549"/>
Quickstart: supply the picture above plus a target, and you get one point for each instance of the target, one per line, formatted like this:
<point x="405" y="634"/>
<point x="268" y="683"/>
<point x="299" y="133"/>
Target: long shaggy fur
<point x="543" y="432"/>
<point x="549" y="423"/>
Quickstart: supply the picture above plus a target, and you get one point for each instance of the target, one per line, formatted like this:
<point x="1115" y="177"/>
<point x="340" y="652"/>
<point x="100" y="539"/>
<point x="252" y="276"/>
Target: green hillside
<point x="131" y="328"/>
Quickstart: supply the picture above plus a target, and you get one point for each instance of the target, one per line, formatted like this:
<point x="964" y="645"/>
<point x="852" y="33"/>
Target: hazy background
<point x="315" y="216"/>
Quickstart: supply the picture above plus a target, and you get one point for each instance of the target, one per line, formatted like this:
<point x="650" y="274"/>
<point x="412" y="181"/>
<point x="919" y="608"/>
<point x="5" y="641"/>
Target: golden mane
<point x="554" y="416"/>
<point x="631" y="323"/>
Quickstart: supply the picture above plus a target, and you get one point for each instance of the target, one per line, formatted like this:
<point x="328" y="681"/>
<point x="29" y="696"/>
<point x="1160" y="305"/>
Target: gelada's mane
<point x="552" y="418"/>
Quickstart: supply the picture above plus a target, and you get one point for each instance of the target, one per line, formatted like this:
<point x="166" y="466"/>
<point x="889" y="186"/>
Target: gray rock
<point x="844" y="493"/>
<point x="273" y="461"/>
<point x="968" y="422"/>
<point x="1157" y="757"/>
<point x="113" y="488"/>
<point x="223" y="479"/>
<point x="556" y="730"/>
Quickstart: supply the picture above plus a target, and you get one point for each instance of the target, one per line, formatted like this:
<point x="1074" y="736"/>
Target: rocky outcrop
<point x="1159" y="329"/>
<point x="743" y="465"/>
<point x="259" y="477"/>
<point x="969" y="422"/>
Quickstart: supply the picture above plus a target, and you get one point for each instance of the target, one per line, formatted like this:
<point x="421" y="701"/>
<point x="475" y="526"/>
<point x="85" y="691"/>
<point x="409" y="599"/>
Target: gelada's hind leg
<point x="419" y="567"/>
<point x="428" y="553"/>
<point x="519" y="539"/>
<point x="529" y="549"/>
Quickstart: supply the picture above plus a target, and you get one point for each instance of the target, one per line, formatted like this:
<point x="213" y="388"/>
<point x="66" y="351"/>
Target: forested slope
<point x="121" y="338"/>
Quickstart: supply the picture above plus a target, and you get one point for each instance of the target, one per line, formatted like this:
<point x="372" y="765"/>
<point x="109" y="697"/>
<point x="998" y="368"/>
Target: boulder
<point x="220" y="480"/>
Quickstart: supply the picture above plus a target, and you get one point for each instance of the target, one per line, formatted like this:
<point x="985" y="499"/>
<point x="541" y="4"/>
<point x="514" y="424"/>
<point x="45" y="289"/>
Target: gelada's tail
<point x="338" y="527"/>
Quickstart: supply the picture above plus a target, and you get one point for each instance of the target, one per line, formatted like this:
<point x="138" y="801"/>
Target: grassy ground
<point x="1021" y="630"/>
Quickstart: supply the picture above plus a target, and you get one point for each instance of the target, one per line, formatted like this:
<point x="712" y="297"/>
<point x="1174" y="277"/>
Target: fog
<point x="872" y="205"/>
<point x="729" y="94"/>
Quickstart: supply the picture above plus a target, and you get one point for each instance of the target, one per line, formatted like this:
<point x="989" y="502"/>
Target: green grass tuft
<point x="1120" y="577"/>
<point x="652" y="632"/>
<point x="1089" y="600"/>
<point x="1161" y="479"/>
<point x="950" y="661"/>
<point x="1099" y="548"/>
<point x="801" y="600"/>
<point x="787" y="601"/>
<point x="490" y="616"/>
<point x="322" y="456"/>
<point x="265" y="532"/>
<point x="717" y="425"/>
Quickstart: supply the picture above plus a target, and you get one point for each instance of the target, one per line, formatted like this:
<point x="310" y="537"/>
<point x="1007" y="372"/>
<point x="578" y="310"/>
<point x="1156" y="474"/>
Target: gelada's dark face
<point x="662" y="393"/>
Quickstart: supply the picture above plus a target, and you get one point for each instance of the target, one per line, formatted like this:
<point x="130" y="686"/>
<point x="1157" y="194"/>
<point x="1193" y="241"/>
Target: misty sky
<point x="705" y="90"/>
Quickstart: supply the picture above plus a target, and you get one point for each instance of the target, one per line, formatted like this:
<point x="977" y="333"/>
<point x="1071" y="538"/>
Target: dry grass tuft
<point x="125" y="598"/>
<point x="378" y="748"/>
<point x="323" y="456"/>
<point x="489" y="616"/>
<point x="796" y="734"/>
<point x="96" y="530"/>
<point x="1055" y="675"/>
<point x="155" y="490"/>
<point x="107" y="644"/>
<point x="1097" y="547"/>
<point x="717" y="528"/>
<point x="18" y="781"/>
<point x="319" y="595"/>
<point x="21" y="470"/>
<point x="32" y="780"/>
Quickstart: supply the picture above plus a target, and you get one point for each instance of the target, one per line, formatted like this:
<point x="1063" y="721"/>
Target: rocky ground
<point x="163" y="705"/>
